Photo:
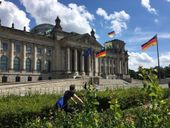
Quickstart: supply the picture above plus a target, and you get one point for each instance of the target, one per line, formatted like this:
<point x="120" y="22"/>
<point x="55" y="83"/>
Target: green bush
<point x="121" y="108"/>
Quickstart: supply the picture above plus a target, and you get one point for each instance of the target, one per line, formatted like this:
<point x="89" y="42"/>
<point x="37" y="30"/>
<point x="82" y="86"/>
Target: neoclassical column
<point x="92" y="64"/>
<point x="117" y="66"/>
<point x="100" y="66"/>
<point x="43" y="59"/>
<point x="120" y="66"/>
<point x="105" y="66"/>
<point x="82" y="63"/>
<point x="126" y="67"/>
<point x="75" y="61"/>
<point x="89" y="65"/>
<point x="96" y="66"/>
<point x="23" y="57"/>
<point x="68" y="60"/>
<point x="34" y="57"/>
<point x="0" y="48"/>
<point x="111" y="66"/>
<point x="108" y="65"/>
<point x="11" y="60"/>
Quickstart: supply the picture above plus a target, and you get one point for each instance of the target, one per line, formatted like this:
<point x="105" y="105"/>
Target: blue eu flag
<point x="87" y="52"/>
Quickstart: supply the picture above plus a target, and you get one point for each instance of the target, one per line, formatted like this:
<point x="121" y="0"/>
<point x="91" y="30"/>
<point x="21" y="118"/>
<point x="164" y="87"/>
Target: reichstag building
<point x="47" y="52"/>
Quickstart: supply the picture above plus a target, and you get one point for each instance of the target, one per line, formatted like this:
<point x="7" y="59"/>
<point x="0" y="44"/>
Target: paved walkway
<point x="59" y="86"/>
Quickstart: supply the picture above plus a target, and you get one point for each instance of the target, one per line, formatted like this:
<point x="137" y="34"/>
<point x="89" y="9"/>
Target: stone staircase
<point x="58" y="86"/>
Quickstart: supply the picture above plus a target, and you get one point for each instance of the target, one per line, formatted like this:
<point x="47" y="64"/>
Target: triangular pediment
<point x="85" y="40"/>
<point x="88" y="40"/>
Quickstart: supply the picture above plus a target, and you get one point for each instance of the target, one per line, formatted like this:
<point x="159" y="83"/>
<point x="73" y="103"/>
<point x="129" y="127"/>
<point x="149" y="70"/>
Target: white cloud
<point x="117" y="19"/>
<point x="156" y="21"/>
<point x="164" y="35"/>
<point x="137" y="29"/>
<point x="165" y="59"/>
<point x="73" y="17"/>
<point x="10" y="13"/>
<point x="168" y="0"/>
<point x="140" y="59"/>
<point x="102" y="12"/>
<point x="143" y="59"/>
<point x="139" y="37"/>
<point x="146" y="4"/>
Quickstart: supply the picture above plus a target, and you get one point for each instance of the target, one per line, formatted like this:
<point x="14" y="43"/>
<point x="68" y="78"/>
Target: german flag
<point x="102" y="53"/>
<point x="111" y="34"/>
<point x="151" y="42"/>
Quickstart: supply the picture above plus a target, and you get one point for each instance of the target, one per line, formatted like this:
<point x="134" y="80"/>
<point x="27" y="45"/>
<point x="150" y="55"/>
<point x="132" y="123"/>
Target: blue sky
<point x="134" y="21"/>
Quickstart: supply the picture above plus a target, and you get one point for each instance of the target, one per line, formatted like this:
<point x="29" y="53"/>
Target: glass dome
<point x="42" y="29"/>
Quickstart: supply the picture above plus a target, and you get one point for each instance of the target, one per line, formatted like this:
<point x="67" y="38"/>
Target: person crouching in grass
<point x="70" y="94"/>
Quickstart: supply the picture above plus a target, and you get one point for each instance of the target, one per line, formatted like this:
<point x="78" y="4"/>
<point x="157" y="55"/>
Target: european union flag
<point x="88" y="52"/>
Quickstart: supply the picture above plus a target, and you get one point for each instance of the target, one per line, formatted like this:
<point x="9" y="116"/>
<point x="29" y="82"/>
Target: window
<point x="28" y="65"/>
<point x="49" y="52"/>
<point x="4" y="63"/>
<point x="38" y="65"/>
<point x="4" y="46"/>
<point x="40" y="78"/>
<point x="4" y="79"/>
<point x="29" y="78"/>
<point x="17" y="48"/>
<point x="103" y="61"/>
<point x="39" y="51"/>
<point x="16" y="64"/>
<point x="17" y="79"/>
<point x="28" y="49"/>
<point x="48" y="66"/>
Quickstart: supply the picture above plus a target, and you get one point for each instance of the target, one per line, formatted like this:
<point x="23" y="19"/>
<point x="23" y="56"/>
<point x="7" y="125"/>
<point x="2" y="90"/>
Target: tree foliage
<point x="164" y="72"/>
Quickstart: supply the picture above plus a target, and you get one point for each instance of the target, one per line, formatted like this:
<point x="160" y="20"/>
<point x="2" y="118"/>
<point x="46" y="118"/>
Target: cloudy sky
<point x="134" y="21"/>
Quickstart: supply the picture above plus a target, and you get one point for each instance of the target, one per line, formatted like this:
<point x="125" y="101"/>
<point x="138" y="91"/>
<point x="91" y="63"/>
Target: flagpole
<point x="158" y="60"/>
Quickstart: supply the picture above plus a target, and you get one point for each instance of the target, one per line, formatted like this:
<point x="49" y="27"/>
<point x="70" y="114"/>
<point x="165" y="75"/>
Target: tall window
<point x="38" y="65"/>
<point x="28" y="65"/>
<point x="5" y="46"/>
<point x="16" y="64"/>
<point x="48" y="66"/>
<point x="28" y="49"/>
<point x="49" y="52"/>
<point x="4" y="63"/>
<point x="17" y="48"/>
<point x="39" y="51"/>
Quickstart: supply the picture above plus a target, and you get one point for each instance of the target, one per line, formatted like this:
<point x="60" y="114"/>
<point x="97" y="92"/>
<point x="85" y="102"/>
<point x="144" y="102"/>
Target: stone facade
<point x="115" y="63"/>
<point x="48" y="52"/>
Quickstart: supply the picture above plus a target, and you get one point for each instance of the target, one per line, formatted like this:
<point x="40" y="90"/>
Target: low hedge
<point x="127" y="98"/>
<point x="16" y="111"/>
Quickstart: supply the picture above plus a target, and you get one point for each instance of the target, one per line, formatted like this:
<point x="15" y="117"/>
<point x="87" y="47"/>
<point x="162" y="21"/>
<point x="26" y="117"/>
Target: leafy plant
<point x="157" y="110"/>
